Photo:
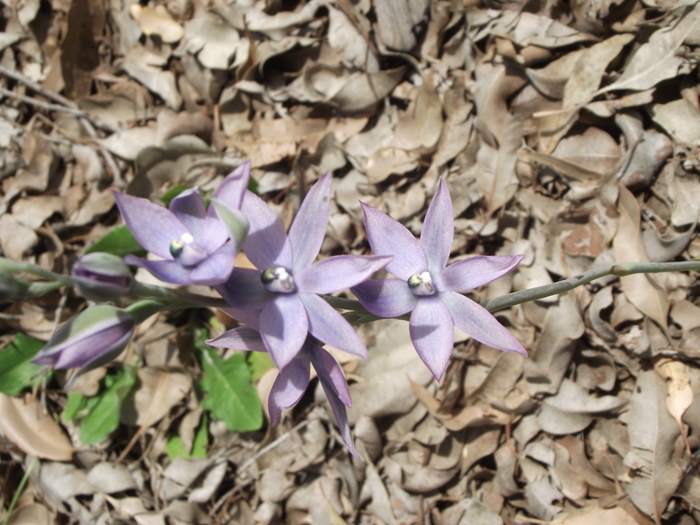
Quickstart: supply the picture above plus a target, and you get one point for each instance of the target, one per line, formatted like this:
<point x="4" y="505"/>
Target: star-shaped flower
<point x="197" y="245"/>
<point x="431" y="289"/>
<point x="293" y="380"/>
<point x="281" y="297"/>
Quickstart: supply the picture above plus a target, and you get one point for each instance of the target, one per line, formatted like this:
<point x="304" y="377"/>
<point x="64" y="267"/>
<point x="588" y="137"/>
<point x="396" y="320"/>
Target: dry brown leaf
<point x="420" y="127"/>
<point x="150" y="69"/>
<point x="128" y="143"/>
<point x="585" y="77"/>
<point x="640" y="289"/>
<point x="596" y="516"/>
<point x="593" y="150"/>
<point x="653" y="434"/>
<point x="15" y="238"/>
<point x="24" y="422"/>
<point x="563" y="326"/>
<point x="157" y="21"/>
<point x="658" y="59"/>
<point x="680" y="119"/>
<point x="680" y="395"/>
<point x="392" y="365"/>
<point x="32" y="514"/>
<point x="349" y="92"/>
<point x="395" y="22"/>
<point x="525" y="28"/>
<point x="158" y="392"/>
<point x="214" y="42"/>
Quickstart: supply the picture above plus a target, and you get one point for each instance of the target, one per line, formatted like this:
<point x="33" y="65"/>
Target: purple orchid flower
<point x="198" y="245"/>
<point x="431" y="289"/>
<point x="293" y="380"/>
<point x="281" y="298"/>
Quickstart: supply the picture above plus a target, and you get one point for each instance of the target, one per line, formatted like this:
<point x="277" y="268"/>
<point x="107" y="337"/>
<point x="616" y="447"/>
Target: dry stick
<point x="267" y="448"/>
<point x="46" y="106"/>
<point x="85" y="121"/>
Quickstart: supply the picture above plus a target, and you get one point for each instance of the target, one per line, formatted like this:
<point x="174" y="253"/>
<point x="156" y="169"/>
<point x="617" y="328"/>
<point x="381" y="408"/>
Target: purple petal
<point x="471" y="273"/>
<point x="283" y="327"/>
<point x="243" y="290"/>
<point x="216" y="268"/>
<point x="388" y="237"/>
<point x="239" y="338"/>
<point x="290" y="384"/>
<point x="339" y="273"/>
<point x="153" y="226"/>
<point x="385" y="297"/>
<point x="477" y="322"/>
<point x="432" y="333"/>
<point x="233" y="187"/>
<point x="329" y="370"/>
<point x="338" y="405"/>
<point x="326" y="324"/>
<point x="102" y="346"/>
<point x="266" y="243"/>
<point x="167" y="271"/>
<point x="208" y="232"/>
<point x="309" y="226"/>
<point x="438" y="228"/>
<point x="247" y="316"/>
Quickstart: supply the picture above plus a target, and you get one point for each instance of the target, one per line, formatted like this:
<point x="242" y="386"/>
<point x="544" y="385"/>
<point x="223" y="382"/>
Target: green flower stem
<point x="358" y="315"/>
<point x="176" y="297"/>
<point x="617" y="270"/>
<point x="10" y="266"/>
<point x="145" y="308"/>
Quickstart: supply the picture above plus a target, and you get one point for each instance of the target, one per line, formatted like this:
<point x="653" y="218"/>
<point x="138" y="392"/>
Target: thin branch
<point x="46" y="106"/>
<point x="85" y="120"/>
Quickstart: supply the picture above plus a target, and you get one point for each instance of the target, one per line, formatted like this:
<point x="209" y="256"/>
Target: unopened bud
<point x="102" y="276"/>
<point x="94" y="337"/>
<point x="235" y="222"/>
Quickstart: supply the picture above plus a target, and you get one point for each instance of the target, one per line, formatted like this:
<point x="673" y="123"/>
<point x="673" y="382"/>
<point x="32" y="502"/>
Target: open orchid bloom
<point x="431" y="289"/>
<point x="281" y="298"/>
<point x="197" y="245"/>
<point x="293" y="380"/>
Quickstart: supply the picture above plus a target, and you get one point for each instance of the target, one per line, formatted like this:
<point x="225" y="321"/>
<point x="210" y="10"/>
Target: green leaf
<point x="17" y="371"/>
<point x="175" y="446"/>
<point x="259" y="363"/>
<point x="172" y="193"/>
<point x="74" y="404"/>
<point x="103" y="416"/>
<point x="201" y="439"/>
<point x="118" y="242"/>
<point x="230" y="395"/>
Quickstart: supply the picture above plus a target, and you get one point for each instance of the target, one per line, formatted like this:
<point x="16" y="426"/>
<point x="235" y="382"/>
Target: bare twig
<point x="85" y="120"/>
<point x="46" y="106"/>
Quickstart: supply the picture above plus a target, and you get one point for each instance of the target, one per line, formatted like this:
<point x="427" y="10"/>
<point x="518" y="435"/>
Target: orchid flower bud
<point x="92" y="338"/>
<point x="102" y="276"/>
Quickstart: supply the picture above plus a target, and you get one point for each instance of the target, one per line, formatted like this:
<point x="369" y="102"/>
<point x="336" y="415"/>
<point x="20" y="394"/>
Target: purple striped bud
<point x="92" y="338"/>
<point x="102" y="276"/>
